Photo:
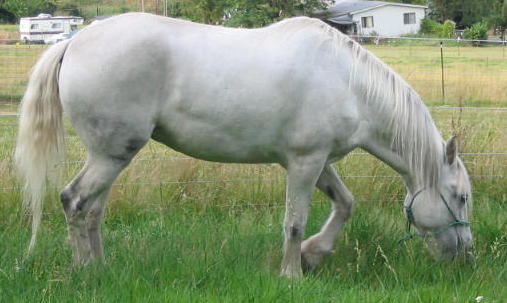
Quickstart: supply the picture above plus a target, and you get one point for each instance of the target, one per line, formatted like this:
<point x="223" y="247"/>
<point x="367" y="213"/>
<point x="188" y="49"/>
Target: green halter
<point x="411" y="220"/>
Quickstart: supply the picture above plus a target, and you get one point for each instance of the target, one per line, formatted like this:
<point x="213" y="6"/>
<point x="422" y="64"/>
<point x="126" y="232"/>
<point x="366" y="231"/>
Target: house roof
<point x="343" y="19"/>
<point x="351" y="7"/>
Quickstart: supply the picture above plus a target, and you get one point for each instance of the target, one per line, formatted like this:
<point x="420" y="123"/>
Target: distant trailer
<point x="47" y="29"/>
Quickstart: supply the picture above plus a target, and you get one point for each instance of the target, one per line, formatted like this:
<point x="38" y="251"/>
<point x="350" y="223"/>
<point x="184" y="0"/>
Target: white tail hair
<point x="40" y="136"/>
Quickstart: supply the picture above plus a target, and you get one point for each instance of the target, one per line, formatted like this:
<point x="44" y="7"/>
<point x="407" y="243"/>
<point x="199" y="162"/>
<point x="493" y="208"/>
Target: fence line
<point x="443" y="107"/>
<point x="503" y="42"/>
<point x="459" y="40"/>
<point x="246" y="180"/>
<point x="68" y="163"/>
<point x="499" y="131"/>
<point x="468" y="108"/>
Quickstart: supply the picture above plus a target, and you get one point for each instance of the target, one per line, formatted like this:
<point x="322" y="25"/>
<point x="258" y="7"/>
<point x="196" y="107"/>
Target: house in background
<point x="364" y="18"/>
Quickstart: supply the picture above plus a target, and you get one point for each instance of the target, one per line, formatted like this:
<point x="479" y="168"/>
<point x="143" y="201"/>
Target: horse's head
<point x="440" y="214"/>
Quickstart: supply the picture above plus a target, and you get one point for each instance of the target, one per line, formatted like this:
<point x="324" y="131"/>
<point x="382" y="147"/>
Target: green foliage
<point x="419" y="2"/>
<point x="430" y="27"/>
<point x="24" y="8"/>
<point x="465" y="12"/>
<point x="70" y="9"/>
<point x="478" y="31"/>
<point x="503" y="19"/>
<point x="448" y="29"/>
<point x="244" y="13"/>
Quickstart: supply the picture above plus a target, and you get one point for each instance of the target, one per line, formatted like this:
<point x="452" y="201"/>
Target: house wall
<point x="388" y="20"/>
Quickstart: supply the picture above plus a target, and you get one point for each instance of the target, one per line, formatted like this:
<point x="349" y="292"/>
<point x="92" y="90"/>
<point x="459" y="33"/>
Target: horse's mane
<point x="414" y="137"/>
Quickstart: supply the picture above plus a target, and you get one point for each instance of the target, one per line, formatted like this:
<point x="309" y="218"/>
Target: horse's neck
<point x="400" y="131"/>
<point x="417" y="162"/>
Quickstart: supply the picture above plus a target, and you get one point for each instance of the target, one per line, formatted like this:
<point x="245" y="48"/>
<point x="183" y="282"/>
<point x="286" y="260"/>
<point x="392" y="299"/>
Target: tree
<point x="478" y="31"/>
<point x="465" y="12"/>
<point x="244" y="13"/>
<point x="5" y="15"/>
<point x="255" y="13"/>
<point x="503" y="23"/>
<point x="23" y="8"/>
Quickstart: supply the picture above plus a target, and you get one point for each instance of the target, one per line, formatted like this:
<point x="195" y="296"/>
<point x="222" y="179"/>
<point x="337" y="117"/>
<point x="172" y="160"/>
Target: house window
<point x="56" y="25"/>
<point x="409" y="18"/>
<point x="34" y="26"/>
<point x="367" y="22"/>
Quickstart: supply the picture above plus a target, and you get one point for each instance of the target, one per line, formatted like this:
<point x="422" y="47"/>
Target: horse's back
<point x="247" y="88"/>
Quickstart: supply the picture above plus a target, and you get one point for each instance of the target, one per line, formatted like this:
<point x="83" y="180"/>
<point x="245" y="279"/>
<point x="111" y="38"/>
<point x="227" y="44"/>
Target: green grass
<point x="173" y="252"/>
<point x="221" y="241"/>
<point x="9" y="27"/>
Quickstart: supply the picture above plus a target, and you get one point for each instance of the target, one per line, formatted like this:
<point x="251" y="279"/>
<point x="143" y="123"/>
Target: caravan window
<point x="34" y="26"/>
<point x="56" y="25"/>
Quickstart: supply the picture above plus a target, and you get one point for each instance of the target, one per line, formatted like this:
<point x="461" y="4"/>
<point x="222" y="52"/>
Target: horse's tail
<point x="40" y="136"/>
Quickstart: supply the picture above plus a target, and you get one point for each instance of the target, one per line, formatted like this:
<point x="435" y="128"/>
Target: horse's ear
<point x="451" y="151"/>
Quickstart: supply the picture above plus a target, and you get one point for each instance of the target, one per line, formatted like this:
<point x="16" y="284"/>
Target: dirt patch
<point x="8" y="35"/>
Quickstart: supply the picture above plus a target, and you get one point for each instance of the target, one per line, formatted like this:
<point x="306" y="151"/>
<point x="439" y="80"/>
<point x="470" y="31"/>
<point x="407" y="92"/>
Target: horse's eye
<point x="463" y="198"/>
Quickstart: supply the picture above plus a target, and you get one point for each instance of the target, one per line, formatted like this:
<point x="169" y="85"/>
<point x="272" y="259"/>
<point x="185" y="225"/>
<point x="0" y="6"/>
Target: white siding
<point x="388" y="20"/>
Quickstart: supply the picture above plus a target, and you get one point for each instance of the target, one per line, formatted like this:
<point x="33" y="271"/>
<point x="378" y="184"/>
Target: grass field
<point x="169" y="238"/>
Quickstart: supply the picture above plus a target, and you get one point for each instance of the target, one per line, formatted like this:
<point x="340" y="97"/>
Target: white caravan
<point x="48" y="29"/>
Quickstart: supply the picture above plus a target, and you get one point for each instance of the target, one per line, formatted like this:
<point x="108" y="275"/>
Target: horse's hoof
<point x="291" y="273"/>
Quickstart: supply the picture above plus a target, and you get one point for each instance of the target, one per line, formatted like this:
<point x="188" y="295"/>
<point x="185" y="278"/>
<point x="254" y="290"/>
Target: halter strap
<point x="411" y="220"/>
<point x="408" y="209"/>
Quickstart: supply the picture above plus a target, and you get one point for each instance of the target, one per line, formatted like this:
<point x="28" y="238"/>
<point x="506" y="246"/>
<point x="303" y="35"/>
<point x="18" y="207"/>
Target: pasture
<point x="183" y="230"/>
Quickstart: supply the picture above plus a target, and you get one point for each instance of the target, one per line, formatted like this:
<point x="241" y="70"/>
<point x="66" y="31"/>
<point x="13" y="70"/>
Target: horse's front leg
<point x="302" y="175"/>
<point x="320" y="244"/>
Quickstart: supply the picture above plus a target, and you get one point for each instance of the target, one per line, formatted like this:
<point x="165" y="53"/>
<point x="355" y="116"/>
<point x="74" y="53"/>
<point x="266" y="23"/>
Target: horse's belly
<point x="212" y="143"/>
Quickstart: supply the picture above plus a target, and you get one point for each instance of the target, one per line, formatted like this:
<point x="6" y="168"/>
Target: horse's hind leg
<point x="317" y="246"/>
<point x="84" y="198"/>
<point x="94" y="221"/>
<point x="83" y="201"/>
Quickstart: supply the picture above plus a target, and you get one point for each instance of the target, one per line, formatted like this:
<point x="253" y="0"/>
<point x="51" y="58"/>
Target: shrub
<point x="448" y="29"/>
<point x="478" y="31"/>
<point x="430" y="27"/>
<point x="372" y="39"/>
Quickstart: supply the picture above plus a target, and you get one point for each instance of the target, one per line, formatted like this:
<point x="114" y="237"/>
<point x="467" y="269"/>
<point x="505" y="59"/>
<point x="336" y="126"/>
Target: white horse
<point x="298" y="93"/>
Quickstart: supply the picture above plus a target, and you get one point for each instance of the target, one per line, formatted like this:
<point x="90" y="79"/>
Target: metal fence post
<point x="442" y="65"/>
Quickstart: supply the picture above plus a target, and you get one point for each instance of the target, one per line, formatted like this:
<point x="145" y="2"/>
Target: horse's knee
<point x="72" y="203"/>
<point x="343" y="201"/>
<point x="347" y="206"/>
<point x="294" y="230"/>
<point x="66" y="199"/>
